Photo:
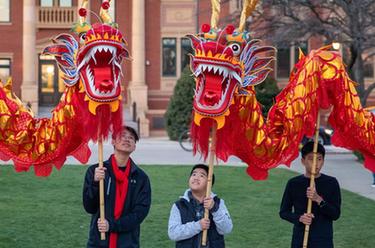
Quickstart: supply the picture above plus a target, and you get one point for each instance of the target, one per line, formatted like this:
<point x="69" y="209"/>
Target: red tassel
<point x="43" y="170"/>
<point x="82" y="154"/>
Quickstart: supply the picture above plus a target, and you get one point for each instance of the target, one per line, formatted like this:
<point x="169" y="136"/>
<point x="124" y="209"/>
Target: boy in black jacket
<point x="326" y="200"/>
<point x="127" y="194"/>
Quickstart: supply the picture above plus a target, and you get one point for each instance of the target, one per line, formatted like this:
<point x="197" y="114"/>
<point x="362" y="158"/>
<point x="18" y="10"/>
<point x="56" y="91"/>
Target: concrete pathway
<point x="351" y="175"/>
<point x="339" y="162"/>
<point x="155" y="151"/>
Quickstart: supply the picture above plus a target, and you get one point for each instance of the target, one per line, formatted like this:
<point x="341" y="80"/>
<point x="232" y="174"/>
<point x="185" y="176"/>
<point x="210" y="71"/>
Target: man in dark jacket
<point x="127" y="196"/>
<point x="326" y="204"/>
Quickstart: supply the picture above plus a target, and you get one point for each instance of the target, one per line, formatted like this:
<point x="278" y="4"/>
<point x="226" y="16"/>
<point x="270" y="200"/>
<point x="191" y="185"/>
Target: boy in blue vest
<point x="186" y="220"/>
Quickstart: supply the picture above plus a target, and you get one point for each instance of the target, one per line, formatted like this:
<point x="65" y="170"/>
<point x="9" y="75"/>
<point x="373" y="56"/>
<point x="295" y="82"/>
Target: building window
<point x="46" y="3"/>
<point x="158" y="123"/>
<point x="48" y="76"/>
<point x="239" y="4"/>
<point x="57" y="3"/>
<point x="287" y="57"/>
<point x="169" y="56"/>
<point x="368" y="66"/>
<point x="4" y="69"/>
<point x="186" y="49"/>
<point x="5" y="10"/>
<point x="300" y="45"/>
<point x="65" y="3"/>
<point x="283" y="62"/>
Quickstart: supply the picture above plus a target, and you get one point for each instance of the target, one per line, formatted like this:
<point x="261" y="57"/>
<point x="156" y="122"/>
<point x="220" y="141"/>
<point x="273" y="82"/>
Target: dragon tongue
<point x="103" y="79"/>
<point x="212" y="89"/>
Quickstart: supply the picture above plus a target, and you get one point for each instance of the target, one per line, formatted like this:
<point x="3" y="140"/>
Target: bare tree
<point x="350" y="22"/>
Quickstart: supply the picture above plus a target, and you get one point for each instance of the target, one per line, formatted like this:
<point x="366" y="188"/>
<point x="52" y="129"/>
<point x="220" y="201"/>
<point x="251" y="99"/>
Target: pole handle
<point x="209" y="179"/>
<point x="101" y="185"/>
<point x="312" y="178"/>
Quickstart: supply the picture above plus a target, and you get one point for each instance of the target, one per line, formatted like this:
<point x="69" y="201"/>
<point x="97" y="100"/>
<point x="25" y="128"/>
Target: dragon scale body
<point x="318" y="81"/>
<point x="89" y="109"/>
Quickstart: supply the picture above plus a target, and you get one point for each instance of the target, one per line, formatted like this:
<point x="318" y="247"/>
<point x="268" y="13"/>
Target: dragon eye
<point x="82" y="37"/>
<point x="236" y="48"/>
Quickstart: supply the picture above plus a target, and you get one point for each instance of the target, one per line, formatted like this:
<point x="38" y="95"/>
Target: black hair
<point x="204" y="167"/>
<point x="132" y="131"/>
<point x="309" y="147"/>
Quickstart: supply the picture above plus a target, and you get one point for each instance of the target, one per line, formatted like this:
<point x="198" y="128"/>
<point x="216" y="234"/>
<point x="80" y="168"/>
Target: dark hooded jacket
<point x="136" y="208"/>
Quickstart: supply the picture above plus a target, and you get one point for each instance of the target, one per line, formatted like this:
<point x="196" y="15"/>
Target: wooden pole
<point x="101" y="186"/>
<point x="210" y="173"/>
<point x="312" y="178"/>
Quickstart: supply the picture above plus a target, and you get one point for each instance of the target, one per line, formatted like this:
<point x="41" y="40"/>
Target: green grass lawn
<point x="47" y="212"/>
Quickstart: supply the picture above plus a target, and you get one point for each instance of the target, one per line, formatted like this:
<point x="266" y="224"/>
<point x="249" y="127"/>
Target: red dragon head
<point x="95" y="63"/>
<point x="91" y="67"/>
<point x="99" y="62"/>
<point x="226" y="62"/>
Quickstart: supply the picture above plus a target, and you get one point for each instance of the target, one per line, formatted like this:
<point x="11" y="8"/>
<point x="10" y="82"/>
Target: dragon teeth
<point x="90" y="77"/>
<point x="220" y="70"/>
<point x="236" y="76"/>
<point x="93" y="57"/>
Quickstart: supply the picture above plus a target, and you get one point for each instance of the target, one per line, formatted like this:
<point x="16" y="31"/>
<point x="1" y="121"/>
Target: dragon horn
<point x="83" y="12"/>
<point x="248" y="7"/>
<point x="215" y="13"/>
<point x="104" y="12"/>
<point x="301" y="55"/>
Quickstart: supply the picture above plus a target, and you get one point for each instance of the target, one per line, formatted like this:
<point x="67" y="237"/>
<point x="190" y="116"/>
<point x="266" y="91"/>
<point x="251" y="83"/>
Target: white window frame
<point x="7" y="57"/>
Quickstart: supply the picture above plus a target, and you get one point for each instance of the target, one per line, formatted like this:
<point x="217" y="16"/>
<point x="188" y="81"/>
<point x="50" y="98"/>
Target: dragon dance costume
<point x="89" y="109"/>
<point x="227" y="64"/>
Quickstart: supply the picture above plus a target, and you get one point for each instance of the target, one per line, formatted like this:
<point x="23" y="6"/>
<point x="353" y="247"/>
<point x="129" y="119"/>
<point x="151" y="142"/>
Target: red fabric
<point x="122" y="182"/>
<point x="105" y="120"/>
<point x="233" y="138"/>
<point x="82" y="153"/>
<point x="369" y="162"/>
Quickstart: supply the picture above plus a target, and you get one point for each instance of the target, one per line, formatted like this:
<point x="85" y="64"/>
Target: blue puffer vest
<point x="188" y="213"/>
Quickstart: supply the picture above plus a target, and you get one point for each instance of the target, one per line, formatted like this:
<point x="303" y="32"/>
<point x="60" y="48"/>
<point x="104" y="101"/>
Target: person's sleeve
<point x="90" y="195"/>
<point x="286" y="207"/>
<point x="222" y="219"/>
<point x="141" y="208"/>
<point x="178" y="231"/>
<point x="332" y="206"/>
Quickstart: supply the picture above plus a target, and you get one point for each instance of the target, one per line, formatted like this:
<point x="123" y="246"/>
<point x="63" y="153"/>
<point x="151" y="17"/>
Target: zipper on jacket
<point x="109" y="185"/>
